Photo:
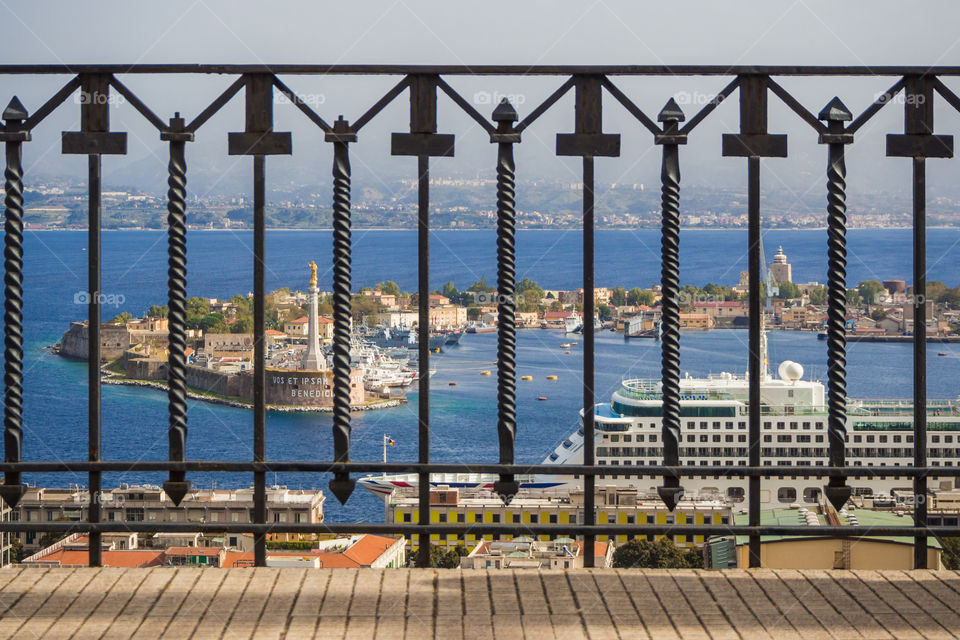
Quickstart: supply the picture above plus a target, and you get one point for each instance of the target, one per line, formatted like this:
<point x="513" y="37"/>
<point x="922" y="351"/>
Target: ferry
<point x="714" y="426"/>
<point x="481" y="327"/>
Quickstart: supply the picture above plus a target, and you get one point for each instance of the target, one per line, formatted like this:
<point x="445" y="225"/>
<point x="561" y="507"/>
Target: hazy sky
<point x="518" y="32"/>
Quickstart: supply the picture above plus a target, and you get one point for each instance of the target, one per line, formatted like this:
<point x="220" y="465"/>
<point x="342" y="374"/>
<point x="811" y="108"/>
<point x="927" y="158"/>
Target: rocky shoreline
<point x="112" y="378"/>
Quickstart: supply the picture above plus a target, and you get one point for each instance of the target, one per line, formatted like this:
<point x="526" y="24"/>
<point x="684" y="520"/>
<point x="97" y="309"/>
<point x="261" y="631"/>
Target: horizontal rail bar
<point x="483" y="529"/>
<point x="460" y="467"/>
<point x="480" y="70"/>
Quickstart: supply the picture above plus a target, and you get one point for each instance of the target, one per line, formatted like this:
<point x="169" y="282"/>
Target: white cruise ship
<point x="714" y="425"/>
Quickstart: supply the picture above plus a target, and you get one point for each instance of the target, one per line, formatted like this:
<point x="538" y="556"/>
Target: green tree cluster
<point x="442" y="559"/>
<point x="662" y="554"/>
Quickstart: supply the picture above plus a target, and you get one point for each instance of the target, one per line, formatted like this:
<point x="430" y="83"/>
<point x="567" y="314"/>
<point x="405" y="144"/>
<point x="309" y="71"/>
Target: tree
<point x="481" y="286"/>
<point x="869" y="290"/>
<point x="450" y="291"/>
<point x="818" y="296"/>
<point x="618" y="297"/>
<point x="951" y="555"/>
<point x="878" y="314"/>
<point x="157" y="311"/>
<point x="243" y="324"/>
<point x="389" y="287"/>
<point x="638" y="296"/>
<point x="16" y="550"/>
<point x="213" y="323"/>
<point x="604" y="311"/>
<point x="440" y="559"/>
<point x="196" y="308"/>
<point x="363" y="306"/>
<point x="788" y="290"/>
<point x="662" y="554"/>
<point x="853" y="298"/>
<point x="122" y="318"/>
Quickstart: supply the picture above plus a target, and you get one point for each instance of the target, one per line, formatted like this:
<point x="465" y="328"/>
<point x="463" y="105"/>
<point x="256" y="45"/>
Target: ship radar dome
<point x="790" y="370"/>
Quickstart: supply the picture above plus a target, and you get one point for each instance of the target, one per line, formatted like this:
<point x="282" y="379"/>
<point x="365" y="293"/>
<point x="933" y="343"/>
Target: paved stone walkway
<point x="596" y="604"/>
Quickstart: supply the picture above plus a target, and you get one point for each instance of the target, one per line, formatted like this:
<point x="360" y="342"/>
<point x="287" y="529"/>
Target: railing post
<point x="14" y="137"/>
<point x="505" y="115"/>
<point x="753" y="142"/>
<point x="176" y="487"/>
<point x="93" y="140"/>
<point x="341" y="485"/>
<point x="671" y="116"/>
<point x="588" y="141"/>
<point x="835" y="114"/>
<point x="919" y="142"/>
<point x="259" y="140"/>
<point x="423" y="141"/>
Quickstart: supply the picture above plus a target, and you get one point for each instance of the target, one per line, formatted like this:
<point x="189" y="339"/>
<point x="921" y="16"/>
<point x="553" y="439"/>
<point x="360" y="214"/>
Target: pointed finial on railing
<point x="835" y="111"/>
<point x="15" y="110"/>
<point x="671" y="112"/>
<point x="504" y="112"/>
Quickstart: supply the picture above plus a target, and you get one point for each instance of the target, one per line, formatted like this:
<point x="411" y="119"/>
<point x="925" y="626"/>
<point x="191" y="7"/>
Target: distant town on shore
<point x="465" y="204"/>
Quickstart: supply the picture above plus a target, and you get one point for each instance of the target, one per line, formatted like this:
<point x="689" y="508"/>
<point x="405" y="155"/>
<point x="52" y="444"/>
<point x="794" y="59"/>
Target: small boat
<point x="484" y="373"/>
<point x="567" y="352"/>
<point x="526" y="377"/>
<point x="452" y="384"/>
<point x="551" y="377"/>
<point x="942" y="353"/>
<point x="541" y="398"/>
<point x="566" y="345"/>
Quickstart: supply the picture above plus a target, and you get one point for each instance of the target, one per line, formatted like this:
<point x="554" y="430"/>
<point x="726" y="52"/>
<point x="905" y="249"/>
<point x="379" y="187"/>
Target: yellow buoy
<point x="526" y="377"/>
<point x="484" y="373"/>
<point x="551" y="377"/>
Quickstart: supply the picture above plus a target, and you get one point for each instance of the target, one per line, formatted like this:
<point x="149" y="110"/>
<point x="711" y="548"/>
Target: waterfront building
<point x="615" y="505"/>
<point x="696" y="321"/>
<point x="228" y="345"/>
<point x="780" y="269"/>
<point x="299" y="328"/>
<point x="447" y="315"/>
<point x="824" y="552"/>
<point x="149" y="503"/>
<point x="532" y="554"/>
<point x="722" y="309"/>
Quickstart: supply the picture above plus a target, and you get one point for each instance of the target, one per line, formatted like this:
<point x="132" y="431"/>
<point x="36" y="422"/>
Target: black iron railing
<point x="835" y="127"/>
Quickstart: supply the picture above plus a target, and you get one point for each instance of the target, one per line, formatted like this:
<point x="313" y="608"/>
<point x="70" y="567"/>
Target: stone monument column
<point x="313" y="359"/>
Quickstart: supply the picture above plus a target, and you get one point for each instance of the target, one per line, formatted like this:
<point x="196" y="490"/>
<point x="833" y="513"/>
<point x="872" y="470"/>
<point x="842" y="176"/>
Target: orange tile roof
<point x="129" y="558"/>
<point x="231" y="557"/>
<point x="362" y="554"/>
<point x="303" y="320"/>
<point x="368" y="548"/>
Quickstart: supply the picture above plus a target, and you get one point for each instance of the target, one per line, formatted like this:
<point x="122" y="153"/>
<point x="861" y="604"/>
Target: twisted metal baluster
<point x="505" y="114"/>
<point x="671" y="116"/>
<point x="341" y="485"/>
<point x="177" y="487"/>
<point x="12" y="490"/>
<point x="835" y="113"/>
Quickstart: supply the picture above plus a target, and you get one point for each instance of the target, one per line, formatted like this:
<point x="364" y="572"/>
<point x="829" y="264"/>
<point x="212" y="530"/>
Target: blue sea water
<point x="463" y="425"/>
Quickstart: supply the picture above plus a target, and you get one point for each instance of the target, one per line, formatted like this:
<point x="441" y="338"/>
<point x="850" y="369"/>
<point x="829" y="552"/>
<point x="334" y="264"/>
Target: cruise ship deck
<point x="451" y="604"/>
